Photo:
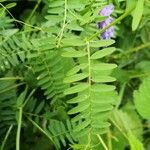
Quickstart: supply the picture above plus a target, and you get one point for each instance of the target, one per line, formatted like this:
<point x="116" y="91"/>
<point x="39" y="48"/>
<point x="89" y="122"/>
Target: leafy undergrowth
<point x="74" y="75"/>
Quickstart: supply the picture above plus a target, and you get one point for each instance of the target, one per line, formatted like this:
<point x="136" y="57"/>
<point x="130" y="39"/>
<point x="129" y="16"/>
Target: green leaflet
<point x="134" y="142"/>
<point x="54" y="19"/>
<point x="62" y="130"/>
<point x="76" y="77"/>
<point x="73" y="53"/>
<point x="102" y="79"/>
<point x="74" y="26"/>
<point x="77" y="88"/>
<point x="102" y="88"/>
<point x="101" y="43"/>
<point x="56" y="3"/>
<point x="10" y="5"/>
<point x="83" y="125"/>
<point x="142" y="98"/>
<point x="102" y="53"/>
<point x="73" y="41"/>
<point x="137" y="14"/>
<point x="78" y="99"/>
<point x="75" y="4"/>
<point x="130" y="5"/>
<point x="57" y="10"/>
<point x="79" y="108"/>
<point x="77" y="69"/>
<point x="103" y="66"/>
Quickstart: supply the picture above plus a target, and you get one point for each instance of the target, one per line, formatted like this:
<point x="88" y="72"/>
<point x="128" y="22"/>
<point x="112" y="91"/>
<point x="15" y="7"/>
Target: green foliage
<point x="142" y="97"/>
<point x="138" y="10"/>
<point x="63" y="87"/>
<point x="7" y="104"/>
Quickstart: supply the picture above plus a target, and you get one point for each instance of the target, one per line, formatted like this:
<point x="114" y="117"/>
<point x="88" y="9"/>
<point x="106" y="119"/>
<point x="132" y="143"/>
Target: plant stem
<point x="109" y="140"/>
<point x="111" y="24"/>
<point x="19" y="129"/>
<point x="12" y="87"/>
<point x="102" y="142"/>
<point x="37" y="126"/>
<point x="6" y="137"/>
<point x="120" y="95"/>
<point x="119" y="128"/>
<point x="64" y="24"/>
<point x="11" y="78"/>
<point x="140" y="75"/>
<point x="33" y="11"/>
<point x="89" y="91"/>
<point x="136" y="49"/>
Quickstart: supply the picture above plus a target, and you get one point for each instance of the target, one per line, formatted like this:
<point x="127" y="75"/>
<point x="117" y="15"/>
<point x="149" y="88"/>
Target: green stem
<point x="19" y="129"/>
<point x="119" y="128"/>
<point x="12" y="87"/>
<point x="111" y="24"/>
<point x="130" y="51"/>
<point x="6" y="137"/>
<point x="136" y="49"/>
<point x="89" y="91"/>
<point x="28" y="98"/>
<point x="140" y="75"/>
<point x="120" y="95"/>
<point x="109" y="140"/>
<point x="11" y="78"/>
<point x="33" y="11"/>
<point x="63" y="26"/>
<point x="102" y="142"/>
<point x="21" y="22"/>
<point x="38" y="127"/>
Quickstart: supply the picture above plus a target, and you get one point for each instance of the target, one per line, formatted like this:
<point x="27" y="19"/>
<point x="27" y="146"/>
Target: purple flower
<point x="105" y="23"/>
<point x="108" y="33"/>
<point x="106" y="11"/>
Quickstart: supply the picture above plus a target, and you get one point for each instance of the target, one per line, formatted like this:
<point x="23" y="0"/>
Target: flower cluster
<point x="107" y="11"/>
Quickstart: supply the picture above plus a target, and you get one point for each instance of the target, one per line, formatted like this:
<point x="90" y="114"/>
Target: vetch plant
<point x="60" y="87"/>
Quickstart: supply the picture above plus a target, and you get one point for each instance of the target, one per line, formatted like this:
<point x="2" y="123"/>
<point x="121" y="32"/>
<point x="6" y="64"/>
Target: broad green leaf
<point x="130" y="5"/>
<point x="102" y="53"/>
<point x="77" y="88"/>
<point x="137" y="14"/>
<point x="135" y="144"/>
<point x="76" y="77"/>
<point x="73" y="53"/>
<point x="142" y="98"/>
<point x="133" y="119"/>
<point x="101" y="43"/>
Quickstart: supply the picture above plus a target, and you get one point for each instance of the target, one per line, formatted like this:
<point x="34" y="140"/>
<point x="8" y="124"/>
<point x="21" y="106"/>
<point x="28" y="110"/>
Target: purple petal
<point x="107" y="11"/>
